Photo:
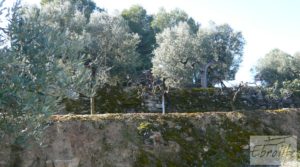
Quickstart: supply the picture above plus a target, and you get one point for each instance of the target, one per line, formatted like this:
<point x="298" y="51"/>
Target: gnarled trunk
<point x="203" y="79"/>
<point x="203" y="74"/>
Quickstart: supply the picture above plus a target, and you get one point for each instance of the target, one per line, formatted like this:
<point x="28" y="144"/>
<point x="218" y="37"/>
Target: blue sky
<point x="265" y="24"/>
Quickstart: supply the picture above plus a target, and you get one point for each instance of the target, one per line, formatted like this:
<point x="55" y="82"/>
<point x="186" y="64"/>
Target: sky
<point x="265" y="24"/>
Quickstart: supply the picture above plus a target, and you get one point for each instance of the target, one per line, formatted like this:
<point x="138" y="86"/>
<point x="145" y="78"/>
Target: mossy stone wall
<point x="136" y="99"/>
<point x="211" y="139"/>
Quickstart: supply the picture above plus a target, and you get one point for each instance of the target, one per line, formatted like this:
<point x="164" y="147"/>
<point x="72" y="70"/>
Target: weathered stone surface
<point x="67" y="163"/>
<point x="5" y="151"/>
<point x="117" y="100"/>
<point x="3" y="164"/>
<point x="125" y="140"/>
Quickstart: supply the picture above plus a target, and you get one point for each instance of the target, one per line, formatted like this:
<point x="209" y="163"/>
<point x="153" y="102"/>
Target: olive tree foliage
<point x="109" y="56"/>
<point x="110" y="38"/>
<point x="86" y="7"/>
<point x="277" y="66"/>
<point x="41" y="44"/>
<point x="8" y="100"/>
<point x="103" y="51"/>
<point x="146" y="26"/>
<point x="175" y="47"/>
<point x="218" y="51"/>
<point x="4" y="12"/>
<point x="296" y="65"/>
<point x="64" y="17"/>
<point x="28" y="69"/>
<point x="184" y="58"/>
<point x="163" y="19"/>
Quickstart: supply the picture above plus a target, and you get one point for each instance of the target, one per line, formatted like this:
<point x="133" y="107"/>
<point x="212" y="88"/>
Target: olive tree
<point x="109" y="56"/>
<point x="275" y="66"/>
<point x="296" y="65"/>
<point x="163" y="19"/>
<point x="103" y="49"/>
<point x="175" y="47"/>
<point x="29" y="67"/>
<point x="86" y="7"/>
<point x="218" y="52"/>
<point x="184" y="58"/>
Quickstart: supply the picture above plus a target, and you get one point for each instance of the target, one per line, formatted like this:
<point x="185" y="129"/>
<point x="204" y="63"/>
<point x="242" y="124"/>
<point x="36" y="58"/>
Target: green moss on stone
<point x="142" y="159"/>
<point x="110" y="99"/>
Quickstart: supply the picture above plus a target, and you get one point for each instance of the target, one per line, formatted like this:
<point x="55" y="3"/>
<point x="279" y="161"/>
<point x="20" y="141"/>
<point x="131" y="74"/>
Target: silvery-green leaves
<point x="182" y="54"/>
<point x="278" y="66"/>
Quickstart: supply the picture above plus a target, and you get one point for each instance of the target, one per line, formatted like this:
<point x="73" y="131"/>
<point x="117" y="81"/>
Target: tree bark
<point x="92" y="103"/>
<point x="203" y="74"/>
<point x="203" y="78"/>
<point x="239" y="89"/>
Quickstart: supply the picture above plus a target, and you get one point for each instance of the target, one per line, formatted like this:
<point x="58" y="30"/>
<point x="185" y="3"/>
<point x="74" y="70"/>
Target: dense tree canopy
<point x="140" y="22"/>
<point x="109" y="37"/>
<point x="163" y="19"/>
<point x="220" y="48"/>
<point x="175" y="46"/>
<point x="184" y="57"/>
<point x="86" y="7"/>
<point x="27" y="68"/>
<point x="55" y="51"/>
<point x="296" y="64"/>
<point x="109" y="55"/>
<point x="147" y="26"/>
<point x="277" y="66"/>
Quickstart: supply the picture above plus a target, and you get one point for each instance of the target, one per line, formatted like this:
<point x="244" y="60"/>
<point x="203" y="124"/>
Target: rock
<point x="263" y="107"/>
<point x="172" y="147"/>
<point x="158" y="106"/>
<point x="189" y="138"/>
<point x="3" y="164"/>
<point x="49" y="163"/>
<point x="205" y="148"/>
<point x="157" y="138"/>
<point x="245" y="147"/>
<point x="178" y="127"/>
<point x="66" y="163"/>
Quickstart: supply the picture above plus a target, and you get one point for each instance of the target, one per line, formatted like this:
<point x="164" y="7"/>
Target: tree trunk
<point x="92" y="103"/>
<point x="239" y="89"/>
<point x="203" y="78"/>
<point x="203" y="74"/>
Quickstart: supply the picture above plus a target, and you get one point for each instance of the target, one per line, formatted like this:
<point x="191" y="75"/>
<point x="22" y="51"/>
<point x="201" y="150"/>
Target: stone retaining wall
<point x="150" y="140"/>
<point x="117" y="100"/>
